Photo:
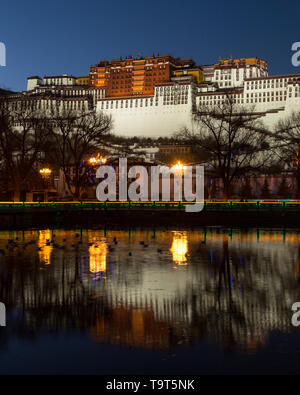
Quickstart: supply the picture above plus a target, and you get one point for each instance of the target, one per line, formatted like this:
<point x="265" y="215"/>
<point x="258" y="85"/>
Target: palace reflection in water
<point x="151" y="289"/>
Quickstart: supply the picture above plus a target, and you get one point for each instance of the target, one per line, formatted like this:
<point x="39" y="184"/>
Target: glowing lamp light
<point x="97" y="160"/>
<point x="45" y="171"/>
<point x="178" y="166"/>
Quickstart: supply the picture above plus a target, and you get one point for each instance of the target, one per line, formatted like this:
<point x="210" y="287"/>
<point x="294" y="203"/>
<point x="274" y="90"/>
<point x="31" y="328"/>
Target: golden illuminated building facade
<point x="139" y="76"/>
<point x="83" y="81"/>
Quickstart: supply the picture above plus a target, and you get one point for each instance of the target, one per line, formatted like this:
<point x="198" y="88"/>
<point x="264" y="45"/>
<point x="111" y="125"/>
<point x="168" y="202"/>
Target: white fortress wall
<point x="160" y="115"/>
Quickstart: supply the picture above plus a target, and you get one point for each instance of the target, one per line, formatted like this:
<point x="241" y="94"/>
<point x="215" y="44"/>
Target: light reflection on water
<point x="179" y="248"/>
<point x="44" y="250"/>
<point x="154" y="290"/>
<point x="97" y="256"/>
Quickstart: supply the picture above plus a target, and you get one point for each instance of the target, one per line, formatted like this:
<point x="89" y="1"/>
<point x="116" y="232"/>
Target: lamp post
<point x="95" y="161"/>
<point x="46" y="173"/>
<point x="178" y="169"/>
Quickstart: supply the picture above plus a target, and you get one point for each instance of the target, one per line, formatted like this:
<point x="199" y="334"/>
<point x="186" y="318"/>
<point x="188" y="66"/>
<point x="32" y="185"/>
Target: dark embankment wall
<point x="45" y="218"/>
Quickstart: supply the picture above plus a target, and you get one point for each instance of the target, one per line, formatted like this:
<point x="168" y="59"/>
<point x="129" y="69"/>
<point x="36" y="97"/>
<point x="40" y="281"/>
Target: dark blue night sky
<point x="50" y="38"/>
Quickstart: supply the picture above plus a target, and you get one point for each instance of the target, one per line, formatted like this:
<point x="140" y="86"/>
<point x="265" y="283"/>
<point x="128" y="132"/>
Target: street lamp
<point x="98" y="160"/>
<point x="46" y="173"/>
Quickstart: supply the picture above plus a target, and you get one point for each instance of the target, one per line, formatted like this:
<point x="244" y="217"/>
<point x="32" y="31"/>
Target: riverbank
<point x="145" y="215"/>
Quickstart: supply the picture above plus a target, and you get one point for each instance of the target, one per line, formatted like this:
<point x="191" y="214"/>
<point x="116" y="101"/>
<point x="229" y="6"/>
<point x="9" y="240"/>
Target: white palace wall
<point x="160" y="115"/>
<point x="170" y="109"/>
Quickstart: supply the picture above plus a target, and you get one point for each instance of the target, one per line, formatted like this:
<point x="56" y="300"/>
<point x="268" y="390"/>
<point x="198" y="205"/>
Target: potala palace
<point x="155" y="96"/>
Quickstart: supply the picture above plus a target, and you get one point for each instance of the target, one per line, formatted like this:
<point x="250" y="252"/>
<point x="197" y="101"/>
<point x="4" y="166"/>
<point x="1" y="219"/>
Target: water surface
<point x="149" y="302"/>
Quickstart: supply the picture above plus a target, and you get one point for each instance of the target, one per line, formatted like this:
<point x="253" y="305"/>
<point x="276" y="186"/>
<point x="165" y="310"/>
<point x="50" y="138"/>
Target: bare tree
<point x="75" y="136"/>
<point x="232" y="138"/>
<point x="287" y="146"/>
<point x="23" y="139"/>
